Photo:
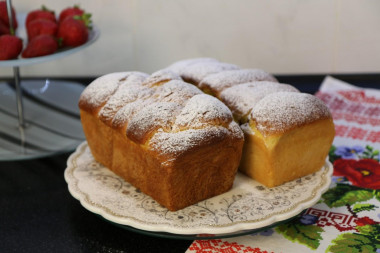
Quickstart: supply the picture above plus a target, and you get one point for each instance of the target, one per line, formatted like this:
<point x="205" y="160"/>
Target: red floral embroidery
<point x="365" y="221"/>
<point x="342" y="222"/>
<point x="219" y="246"/>
<point x="363" y="173"/>
<point x="358" y="96"/>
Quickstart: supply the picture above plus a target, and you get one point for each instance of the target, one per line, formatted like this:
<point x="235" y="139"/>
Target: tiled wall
<point x="280" y="36"/>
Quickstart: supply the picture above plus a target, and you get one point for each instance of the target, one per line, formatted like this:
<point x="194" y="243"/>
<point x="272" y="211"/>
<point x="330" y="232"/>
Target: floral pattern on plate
<point x="248" y="205"/>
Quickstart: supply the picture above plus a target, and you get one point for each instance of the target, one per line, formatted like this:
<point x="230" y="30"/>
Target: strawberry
<point x="4" y="29"/>
<point x="69" y="12"/>
<point x="11" y="47"/>
<point x="43" y="13"/>
<point x="4" y="15"/>
<point x="40" y="45"/>
<point x="41" y="26"/>
<point x="73" y="31"/>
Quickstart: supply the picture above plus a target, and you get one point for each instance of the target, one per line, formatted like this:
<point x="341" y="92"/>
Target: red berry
<point x="43" y="13"/>
<point x="4" y="15"/>
<point x="73" y="32"/>
<point x="40" y="45"/>
<point x="41" y="26"/>
<point x="11" y="47"/>
<point x="4" y="29"/>
<point x="69" y="12"/>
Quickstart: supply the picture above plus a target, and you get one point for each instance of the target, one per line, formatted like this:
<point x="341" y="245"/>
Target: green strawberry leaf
<point x="309" y="235"/>
<point x="355" y="243"/>
<point x="344" y="194"/>
<point x="86" y="18"/>
<point x="363" y="207"/>
<point x="44" y="8"/>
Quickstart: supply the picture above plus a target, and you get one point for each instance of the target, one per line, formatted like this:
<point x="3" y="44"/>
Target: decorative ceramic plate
<point x="247" y="206"/>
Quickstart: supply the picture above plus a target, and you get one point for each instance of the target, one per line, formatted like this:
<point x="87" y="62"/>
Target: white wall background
<point x="282" y="37"/>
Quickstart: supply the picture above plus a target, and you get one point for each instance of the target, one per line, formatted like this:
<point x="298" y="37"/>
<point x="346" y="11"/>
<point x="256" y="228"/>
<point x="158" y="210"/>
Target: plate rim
<point x="236" y="226"/>
<point x="93" y="36"/>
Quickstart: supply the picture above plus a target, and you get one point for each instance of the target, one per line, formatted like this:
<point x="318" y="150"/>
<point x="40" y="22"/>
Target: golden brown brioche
<point x="301" y="126"/>
<point x="93" y="101"/>
<point x="216" y="83"/>
<point x="243" y="97"/>
<point x="180" y="67"/>
<point x="213" y="76"/>
<point x="162" y="135"/>
<point x="194" y="70"/>
<point x="288" y="136"/>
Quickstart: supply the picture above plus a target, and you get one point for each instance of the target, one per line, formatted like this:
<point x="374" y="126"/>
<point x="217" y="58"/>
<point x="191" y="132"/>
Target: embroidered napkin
<point x="347" y="218"/>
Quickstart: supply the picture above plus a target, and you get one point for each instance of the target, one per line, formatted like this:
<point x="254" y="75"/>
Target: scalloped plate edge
<point x="211" y="229"/>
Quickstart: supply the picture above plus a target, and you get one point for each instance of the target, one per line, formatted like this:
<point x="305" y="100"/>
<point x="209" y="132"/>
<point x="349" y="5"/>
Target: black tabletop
<point x="38" y="214"/>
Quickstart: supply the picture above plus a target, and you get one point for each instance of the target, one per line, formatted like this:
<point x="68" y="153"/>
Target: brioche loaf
<point x="213" y="76"/>
<point x="164" y="136"/>
<point x="287" y="134"/>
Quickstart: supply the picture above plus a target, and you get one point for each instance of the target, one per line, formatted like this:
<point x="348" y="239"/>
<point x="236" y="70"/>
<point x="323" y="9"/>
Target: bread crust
<point x="153" y="132"/>
<point x="279" y="158"/>
<point x="287" y="134"/>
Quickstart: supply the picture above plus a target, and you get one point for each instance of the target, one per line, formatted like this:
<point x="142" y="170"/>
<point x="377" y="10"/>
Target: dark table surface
<point x="38" y="214"/>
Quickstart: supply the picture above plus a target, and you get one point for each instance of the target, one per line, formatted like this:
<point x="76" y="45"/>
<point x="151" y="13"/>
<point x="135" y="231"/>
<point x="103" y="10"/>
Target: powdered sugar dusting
<point x="178" y="142"/>
<point x="153" y="116"/>
<point x="242" y="98"/>
<point x="161" y="76"/>
<point x="176" y="91"/>
<point x="247" y="129"/>
<point x="196" y="72"/>
<point x="124" y="95"/>
<point x="134" y="77"/>
<point x="219" y="81"/>
<point x="180" y="66"/>
<point x="175" y="115"/>
<point x="126" y="112"/>
<point x="235" y="129"/>
<point x="282" y="111"/>
<point x="97" y="92"/>
<point x="200" y="110"/>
